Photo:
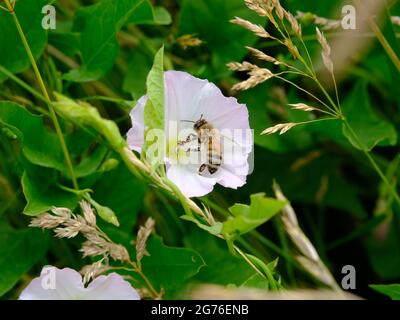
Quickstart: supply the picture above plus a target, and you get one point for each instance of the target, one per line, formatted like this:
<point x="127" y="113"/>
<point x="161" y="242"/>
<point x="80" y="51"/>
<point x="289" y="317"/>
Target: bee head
<point x="199" y="124"/>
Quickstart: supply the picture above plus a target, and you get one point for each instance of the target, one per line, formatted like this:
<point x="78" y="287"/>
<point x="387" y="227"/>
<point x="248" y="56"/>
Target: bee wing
<point x="244" y="143"/>
<point x="235" y="149"/>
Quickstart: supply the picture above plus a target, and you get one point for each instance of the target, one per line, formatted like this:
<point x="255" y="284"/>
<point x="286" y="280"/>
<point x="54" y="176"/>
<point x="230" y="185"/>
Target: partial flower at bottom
<point x="188" y="100"/>
<point x="67" y="284"/>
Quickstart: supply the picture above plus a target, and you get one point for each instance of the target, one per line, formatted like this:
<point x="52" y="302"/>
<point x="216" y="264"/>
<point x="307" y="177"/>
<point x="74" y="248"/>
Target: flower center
<point x="176" y="152"/>
<point x="183" y="153"/>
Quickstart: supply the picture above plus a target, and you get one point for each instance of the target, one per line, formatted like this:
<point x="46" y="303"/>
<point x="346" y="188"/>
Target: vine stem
<point x="42" y="86"/>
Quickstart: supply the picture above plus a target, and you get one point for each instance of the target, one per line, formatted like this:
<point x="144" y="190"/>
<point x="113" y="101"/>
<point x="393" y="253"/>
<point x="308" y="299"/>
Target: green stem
<point x="46" y="95"/>
<point x="181" y="197"/>
<point x="385" y="44"/>
<point x="336" y="92"/>
<point x="327" y="96"/>
<point x="317" y="120"/>
<point x="256" y="261"/>
<point x="305" y="91"/>
<point x="308" y="55"/>
<point x="23" y="84"/>
<point x="150" y="286"/>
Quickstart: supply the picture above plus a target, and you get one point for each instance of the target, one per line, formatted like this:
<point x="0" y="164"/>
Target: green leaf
<point x="12" y="52"/>
<point x="215" y="229"/>
<point x="246" y="218"/>
<point x="370" y="129"/>
<point x="99" y="47"/>
<point x="39" y="145"/>
<point x="168" y="267"/>
<point x="42" y="147"/>
<point x="391" y="290"/>
<point x="147" y="14"/>
<point x="138" y="69"/>
<point x="86" y="115"/>
<point x="41" y="191"/>
<point x="126" y="196"/>
<point x="66" y="42"/>
<point x="220" y="266"/>
<point x="19" y="251"/>
<point x="256" y="281"/>
<point x="162" y="16"/>
<point x="154" y="109"/>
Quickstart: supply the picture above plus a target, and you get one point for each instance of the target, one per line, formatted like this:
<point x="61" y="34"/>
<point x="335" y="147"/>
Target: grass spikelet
<point x="302" y="107"/>
<point x="326" y="50"/>
<point x="281" y="128"/>
<point x="255" y="28"/>
<point x="141" y="240"/>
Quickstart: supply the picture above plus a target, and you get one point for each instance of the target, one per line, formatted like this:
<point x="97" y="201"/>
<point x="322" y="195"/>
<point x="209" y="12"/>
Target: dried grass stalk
<point x="141" y="240"/>
<point x="68" y="225"/>
<point x="309" y="257"/>
<point x="292" y="48"/>
<point x="257" y="75"/>
<point x="93" y="270"/>
<point x="262" y="8"/>
<point x="302" y="107"/>
<point x="262" y="56"/>
<point x="237" y="66"/>
<point x="294" y="24"/>
<point x="88" y="213"/>
<point x="280" y="11"/>
<point x="255" y="28"/>
<point x="281" y="128"/>
<point x="326" y="51"/>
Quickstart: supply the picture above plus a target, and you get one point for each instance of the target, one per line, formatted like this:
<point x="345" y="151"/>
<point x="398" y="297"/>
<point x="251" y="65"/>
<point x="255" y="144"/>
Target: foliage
<point x="341" y="176"/>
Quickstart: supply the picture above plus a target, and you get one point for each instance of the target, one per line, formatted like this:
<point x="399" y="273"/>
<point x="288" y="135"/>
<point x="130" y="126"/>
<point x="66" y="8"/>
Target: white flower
<point x="188" y="99"/>
<point x="67" y="284"/>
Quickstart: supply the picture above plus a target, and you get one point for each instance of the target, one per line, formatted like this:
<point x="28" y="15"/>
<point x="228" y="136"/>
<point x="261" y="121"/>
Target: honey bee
<point x="208" y="136"/>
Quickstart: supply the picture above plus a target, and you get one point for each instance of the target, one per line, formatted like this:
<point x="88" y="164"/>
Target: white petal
<point x="189" y="181"/>
<point x="232" y="176"/>
<point x="135" y="135"/>
<point x="111" y="287"/>
<point x="67" y="284"/>
<point x="183" y="95"/>
<point x="35" y="291"/>
<point x="55" y="284"/>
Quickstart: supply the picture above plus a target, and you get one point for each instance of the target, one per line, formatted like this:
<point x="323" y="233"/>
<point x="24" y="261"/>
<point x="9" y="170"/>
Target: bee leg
<point x="188" y="150"/>
<point x="191" y="137"/>
<point x="202" y="169"/>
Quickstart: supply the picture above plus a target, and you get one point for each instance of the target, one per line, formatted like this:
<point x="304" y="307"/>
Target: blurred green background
<point x="106" y="48"/>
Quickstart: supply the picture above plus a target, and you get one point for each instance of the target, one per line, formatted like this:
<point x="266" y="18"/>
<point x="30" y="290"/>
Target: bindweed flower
<point x="207" y="135"/>
<point x="67" y="284"/>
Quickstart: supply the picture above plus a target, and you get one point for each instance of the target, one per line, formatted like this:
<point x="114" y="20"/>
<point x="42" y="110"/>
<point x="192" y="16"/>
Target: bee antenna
<point x="187" y="121"/>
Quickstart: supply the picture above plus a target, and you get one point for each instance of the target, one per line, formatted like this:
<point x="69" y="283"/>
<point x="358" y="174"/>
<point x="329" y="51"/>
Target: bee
<point x="208" y="136"/>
